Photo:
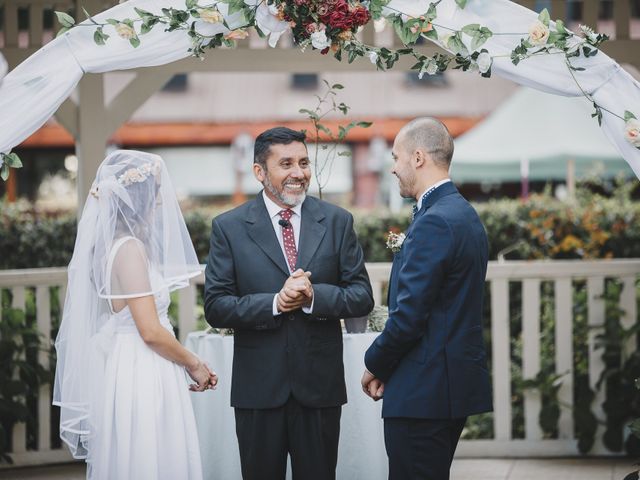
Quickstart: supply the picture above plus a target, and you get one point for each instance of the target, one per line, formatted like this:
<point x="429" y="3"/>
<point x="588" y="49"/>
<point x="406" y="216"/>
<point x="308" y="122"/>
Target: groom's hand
<point x="297" y="292"/>
<point x="371" y="386"/>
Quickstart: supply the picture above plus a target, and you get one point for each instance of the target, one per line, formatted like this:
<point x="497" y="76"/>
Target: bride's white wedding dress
<point x="147" y="428"/>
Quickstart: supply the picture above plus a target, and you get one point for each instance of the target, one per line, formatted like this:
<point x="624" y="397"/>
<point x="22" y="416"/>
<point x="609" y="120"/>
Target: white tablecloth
<point x="361" y="453"/>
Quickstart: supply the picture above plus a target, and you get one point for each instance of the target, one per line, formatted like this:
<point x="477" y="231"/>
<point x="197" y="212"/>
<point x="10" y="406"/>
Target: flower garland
<point x="325" y="25"/>
<point x="331" y="25"/>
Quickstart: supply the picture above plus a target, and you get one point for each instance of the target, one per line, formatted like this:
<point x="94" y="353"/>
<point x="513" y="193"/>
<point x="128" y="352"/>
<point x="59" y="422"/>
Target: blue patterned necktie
<point x="414" y="209"/>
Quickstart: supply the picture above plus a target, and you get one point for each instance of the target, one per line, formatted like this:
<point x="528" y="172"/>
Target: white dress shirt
<point x="434" y="186"/>
<point x="296" y="219"/>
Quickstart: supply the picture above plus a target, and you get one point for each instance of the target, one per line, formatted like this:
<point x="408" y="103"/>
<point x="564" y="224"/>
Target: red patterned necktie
<point x="288" y="239"/>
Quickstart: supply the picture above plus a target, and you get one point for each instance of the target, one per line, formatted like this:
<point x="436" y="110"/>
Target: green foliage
<point x="21" y="374"/>
<point x="327" y="104"/>
<point x="8" y="160"/>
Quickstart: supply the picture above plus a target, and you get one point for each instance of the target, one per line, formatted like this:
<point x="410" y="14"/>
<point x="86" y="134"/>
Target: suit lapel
<point x="261" y="231"/>
<point x="311" y="232"/>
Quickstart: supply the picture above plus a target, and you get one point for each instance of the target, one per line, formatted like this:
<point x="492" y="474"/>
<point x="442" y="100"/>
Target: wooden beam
<point x="138" y="91"/>
<point x="558" y="9"/>
<point x="10" y="24"/>
<point x="36" y="19"/>
<point x="590" y="11"/>
<point x="622" y="17"/>
<point x="67" y="116"/>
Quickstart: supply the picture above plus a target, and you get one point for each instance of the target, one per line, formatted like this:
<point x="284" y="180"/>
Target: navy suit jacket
<point x="431" y="355"/>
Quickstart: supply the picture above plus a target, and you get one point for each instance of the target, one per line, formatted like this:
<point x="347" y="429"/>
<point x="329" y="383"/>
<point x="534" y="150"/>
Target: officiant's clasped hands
<point x="296" y="293"/>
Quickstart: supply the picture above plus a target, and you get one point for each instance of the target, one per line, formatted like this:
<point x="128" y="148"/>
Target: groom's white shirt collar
<point x="274" y="209"/>
<point x="434" y="186"/>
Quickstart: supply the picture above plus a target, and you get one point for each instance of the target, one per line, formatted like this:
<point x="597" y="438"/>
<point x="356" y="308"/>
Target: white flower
<point x="380" y="24"/>
<point x="319" y="40"/>
<point x="484" y="62"/>
<point x="589" y="33"/>
<point x="211" y="15"/>
<point x="430" y="68"/>
<point x="373" y="56"/>
<point x="632" y="132"/>
<point x="538" y="33"/>
<point x="574" y="43"/>
<point x="125" y="31"/>
<point x="395" y="241"/>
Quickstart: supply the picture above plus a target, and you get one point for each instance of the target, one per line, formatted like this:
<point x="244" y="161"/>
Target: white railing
<point x="530" y="274"/>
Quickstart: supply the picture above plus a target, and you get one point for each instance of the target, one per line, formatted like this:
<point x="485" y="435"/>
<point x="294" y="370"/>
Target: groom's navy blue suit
<point x="431" y="355"/>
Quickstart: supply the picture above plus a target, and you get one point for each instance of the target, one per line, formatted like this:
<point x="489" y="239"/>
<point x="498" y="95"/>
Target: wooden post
<point x="91" y="128"/>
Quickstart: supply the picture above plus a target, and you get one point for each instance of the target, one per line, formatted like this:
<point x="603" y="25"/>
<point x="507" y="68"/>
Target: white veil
<point x="131" y="199"/>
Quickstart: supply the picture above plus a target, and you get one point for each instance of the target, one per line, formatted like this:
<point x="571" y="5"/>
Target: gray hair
<point x="431" y="136"/>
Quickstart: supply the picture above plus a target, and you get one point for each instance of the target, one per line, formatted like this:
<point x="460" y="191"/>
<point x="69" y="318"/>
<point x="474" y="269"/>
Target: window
<point x="304" y="81"/>
<point x="178" y="83"/>
<point x="437" y="80"/>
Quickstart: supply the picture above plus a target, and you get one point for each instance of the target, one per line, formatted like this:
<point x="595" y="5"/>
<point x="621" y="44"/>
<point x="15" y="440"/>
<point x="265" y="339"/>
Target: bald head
<point x="430" y="136"/>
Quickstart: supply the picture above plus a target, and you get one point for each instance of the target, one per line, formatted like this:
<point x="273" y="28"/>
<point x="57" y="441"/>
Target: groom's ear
<point x="419" y="158"/>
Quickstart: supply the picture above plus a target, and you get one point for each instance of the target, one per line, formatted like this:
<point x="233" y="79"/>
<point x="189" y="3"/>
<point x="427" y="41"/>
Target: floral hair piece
<point x="139" y="174"/>
<point x="134" y="175"/>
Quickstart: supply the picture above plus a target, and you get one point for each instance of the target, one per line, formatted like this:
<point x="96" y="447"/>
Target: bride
<point x="120" y="381"/>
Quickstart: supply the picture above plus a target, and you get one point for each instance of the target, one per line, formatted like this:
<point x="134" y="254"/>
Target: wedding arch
<point x="498" y="37"/>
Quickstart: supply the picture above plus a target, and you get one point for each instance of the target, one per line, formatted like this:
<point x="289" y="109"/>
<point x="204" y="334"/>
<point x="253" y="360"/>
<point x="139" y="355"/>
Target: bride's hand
<point x="200" y="373"/>
<point x="213" y="378"/>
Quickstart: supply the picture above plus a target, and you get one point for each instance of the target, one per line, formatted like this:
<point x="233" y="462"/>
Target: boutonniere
<point x="395" y="241"/>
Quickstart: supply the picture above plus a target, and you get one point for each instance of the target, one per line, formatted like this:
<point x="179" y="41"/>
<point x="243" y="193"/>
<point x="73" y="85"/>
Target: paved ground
<point x="463" y="469"/>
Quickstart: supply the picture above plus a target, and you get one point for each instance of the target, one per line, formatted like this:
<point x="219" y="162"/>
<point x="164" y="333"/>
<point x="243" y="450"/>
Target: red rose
<point x="339" y="16"/>
<point x="361" y="16"/>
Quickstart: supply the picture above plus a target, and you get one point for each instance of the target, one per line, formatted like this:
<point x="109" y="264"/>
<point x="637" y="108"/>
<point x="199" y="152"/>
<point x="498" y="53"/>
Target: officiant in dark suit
<point x="283" y="269"/>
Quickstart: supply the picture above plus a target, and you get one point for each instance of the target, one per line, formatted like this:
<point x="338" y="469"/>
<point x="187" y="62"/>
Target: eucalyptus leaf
<point x="544" y="17"/>
<point x="461" y="3"/>
<point x="65" y="19"/>
<point x="4" y="172"/>
<point x="471" y="29"/>
<point x="432" y="34"/>
<point x="628" y="116"/>
<point x="13" y="160"/>
<point x="62" y="31"/>
<point x="560" y="26"/>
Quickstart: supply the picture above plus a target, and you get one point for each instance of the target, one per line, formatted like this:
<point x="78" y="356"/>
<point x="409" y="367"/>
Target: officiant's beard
<point x="289" y="199"/>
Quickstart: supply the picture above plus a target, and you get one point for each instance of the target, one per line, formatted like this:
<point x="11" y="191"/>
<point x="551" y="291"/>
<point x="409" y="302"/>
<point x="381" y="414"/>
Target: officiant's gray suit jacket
<point x="294" y="353"/>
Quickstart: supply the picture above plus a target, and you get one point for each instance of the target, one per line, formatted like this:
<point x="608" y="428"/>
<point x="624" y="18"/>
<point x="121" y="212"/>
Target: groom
<point x="283" y="269"/>
<point x="429" y="362"/>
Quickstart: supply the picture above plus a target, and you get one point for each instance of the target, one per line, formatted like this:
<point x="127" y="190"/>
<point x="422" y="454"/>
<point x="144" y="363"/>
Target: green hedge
<point x="590" y="227"/>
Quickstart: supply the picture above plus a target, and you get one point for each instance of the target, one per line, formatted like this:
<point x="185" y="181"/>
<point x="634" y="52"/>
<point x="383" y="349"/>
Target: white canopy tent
<point x="550" y="134"/>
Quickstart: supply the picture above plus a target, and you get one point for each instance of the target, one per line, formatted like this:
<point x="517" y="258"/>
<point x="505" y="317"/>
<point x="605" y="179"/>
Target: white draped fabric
<point x="32" y="92"/>
<point x="611" y="86"/>
<point x="361" y="453"/>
